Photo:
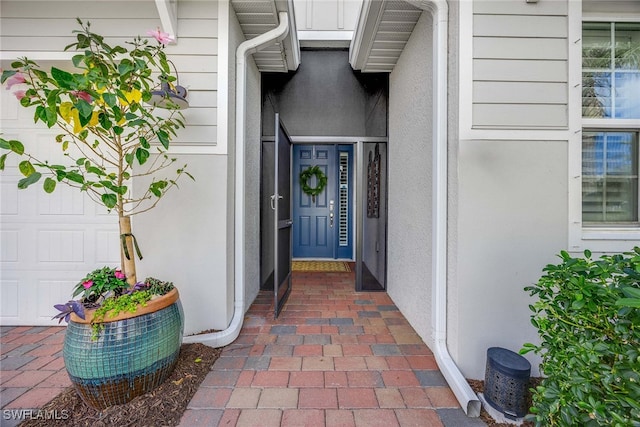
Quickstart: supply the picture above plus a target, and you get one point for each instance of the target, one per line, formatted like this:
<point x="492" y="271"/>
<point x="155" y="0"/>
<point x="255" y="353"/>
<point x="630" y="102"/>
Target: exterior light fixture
<point x="169" y="95"/>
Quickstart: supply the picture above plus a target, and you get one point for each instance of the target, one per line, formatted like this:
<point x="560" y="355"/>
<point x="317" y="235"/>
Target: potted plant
<point x="123" y="336"/>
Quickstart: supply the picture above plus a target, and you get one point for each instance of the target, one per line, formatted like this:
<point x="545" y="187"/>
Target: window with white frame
<point x="610" y="124"/>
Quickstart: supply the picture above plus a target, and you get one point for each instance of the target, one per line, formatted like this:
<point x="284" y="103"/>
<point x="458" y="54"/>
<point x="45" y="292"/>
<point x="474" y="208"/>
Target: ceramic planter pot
<point x="134" y="353"/>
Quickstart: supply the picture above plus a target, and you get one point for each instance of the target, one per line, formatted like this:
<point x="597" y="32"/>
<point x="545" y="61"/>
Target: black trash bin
<point x="506" y="382"/>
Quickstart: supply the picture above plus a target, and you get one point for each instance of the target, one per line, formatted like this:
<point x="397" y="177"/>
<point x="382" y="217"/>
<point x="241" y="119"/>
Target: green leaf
<point x="628" y="302"/>
<point x="75" y="177"/>
<point x="129" y="158"/>
<point x="125" y="67"/>
<point x="142" y="155"/>
<point x="164" y="139"/>
<point x="631" y="292"/>
<point x="109" y="99"/>
<point x="109" y="200"/>
<point x="144" y="143"/>
<point x="83" y="41"/>
<point x="8" y="73"/>
<point x="26" y="168"/>
<point x="84" y="108"/>
<point x="52" y="116"/>
<point x="53" y="98"/>
<point x="49" y="185"/>
<point x="117" y="113"/>
<point x="40" y="114"/>
<point x="41" y="75"/>
<point x="77" y="60"/>
<point x="31" y="179"/>
<point x="16" y="147"/>
<point x="118" y="130"/>
<point x="104" y="121"/>
<point x="63" y="79"/>
<point x="2" y="161"/>
<point x="95" y="170"/>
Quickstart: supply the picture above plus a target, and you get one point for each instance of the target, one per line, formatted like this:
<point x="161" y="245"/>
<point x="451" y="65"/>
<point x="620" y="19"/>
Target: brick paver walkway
<point x="31" y="369"/>
<point x="334" y="357"/>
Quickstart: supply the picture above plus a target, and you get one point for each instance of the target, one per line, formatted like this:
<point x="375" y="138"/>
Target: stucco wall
<point x="410" y="180"/>
<point x="252" y="188"/>
<point x="183" y="240"/>
<point x="512" y="220"/>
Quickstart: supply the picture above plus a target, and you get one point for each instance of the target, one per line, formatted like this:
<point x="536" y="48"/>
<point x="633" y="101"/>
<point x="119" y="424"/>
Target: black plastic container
<point x="506" y="382"/>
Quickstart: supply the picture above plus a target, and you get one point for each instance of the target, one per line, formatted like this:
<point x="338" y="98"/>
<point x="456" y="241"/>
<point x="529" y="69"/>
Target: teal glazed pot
<point x="132" y="355"/>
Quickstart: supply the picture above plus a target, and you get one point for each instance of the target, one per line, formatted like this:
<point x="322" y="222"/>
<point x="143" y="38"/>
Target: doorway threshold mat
<point x="322" y="266"/>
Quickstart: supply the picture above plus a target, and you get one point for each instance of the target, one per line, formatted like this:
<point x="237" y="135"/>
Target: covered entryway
<point x="337" y="119"/>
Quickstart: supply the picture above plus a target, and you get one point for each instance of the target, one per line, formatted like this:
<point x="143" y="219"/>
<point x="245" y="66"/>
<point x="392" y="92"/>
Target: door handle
<point x="331" y="204"/>
<point x="273" y="201"/>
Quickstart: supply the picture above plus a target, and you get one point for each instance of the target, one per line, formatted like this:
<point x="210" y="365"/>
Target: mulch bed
<point x="478" y="387"/>
<point x="162" y="407"/>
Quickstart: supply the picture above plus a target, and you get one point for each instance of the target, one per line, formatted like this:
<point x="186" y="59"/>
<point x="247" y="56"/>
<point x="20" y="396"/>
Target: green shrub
<point x="588" y="317"/>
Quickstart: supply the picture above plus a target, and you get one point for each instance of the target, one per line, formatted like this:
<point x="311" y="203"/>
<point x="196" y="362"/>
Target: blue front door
<point x="322" y="225"/>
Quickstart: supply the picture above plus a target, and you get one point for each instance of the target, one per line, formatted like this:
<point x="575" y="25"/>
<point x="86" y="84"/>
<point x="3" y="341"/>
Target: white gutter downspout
<point x="246" y="48"/>
<point x="466" y="397"/>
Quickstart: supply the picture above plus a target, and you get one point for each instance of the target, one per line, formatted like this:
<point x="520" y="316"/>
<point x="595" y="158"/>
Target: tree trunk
<point x="128" y="264"/>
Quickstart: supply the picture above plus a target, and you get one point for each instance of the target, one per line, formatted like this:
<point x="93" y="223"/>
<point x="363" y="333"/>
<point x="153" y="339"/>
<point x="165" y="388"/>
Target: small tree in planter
<point x="108" y="125"/>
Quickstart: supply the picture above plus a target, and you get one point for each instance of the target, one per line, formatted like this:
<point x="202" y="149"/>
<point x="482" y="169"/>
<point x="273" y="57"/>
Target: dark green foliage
<point x="101" y="283"/>
<point x="158" y="287"/>
<point x="588" y="318"/>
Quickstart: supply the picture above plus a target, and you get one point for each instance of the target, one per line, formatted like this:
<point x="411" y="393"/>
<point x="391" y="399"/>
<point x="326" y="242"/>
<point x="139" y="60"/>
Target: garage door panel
<point x="9" y="299"/>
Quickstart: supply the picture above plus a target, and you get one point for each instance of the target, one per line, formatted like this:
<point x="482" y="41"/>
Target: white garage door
<point x="48" y="242"/>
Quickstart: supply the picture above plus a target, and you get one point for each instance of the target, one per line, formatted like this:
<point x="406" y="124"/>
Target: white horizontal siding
<point x="520" y="7"/>
<point x="43" y="9"/>
<point x="519" y="70"/>
<point x="519" y="26"/>
<point x="519" y="115"/>
<point x="520" y="64"/>
<point x="61" y="27"/>
<point x="502" y="92"/>
<point x="519" y="48"/>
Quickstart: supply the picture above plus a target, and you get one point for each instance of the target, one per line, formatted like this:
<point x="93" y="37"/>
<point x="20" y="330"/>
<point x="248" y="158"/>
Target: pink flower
<point x="161" y="36"/>
<point x="20" y="94"/>
<point x="82" y="95"/>
<point x="119" y="274"/>
<point x="16" y="79"/>
<point x="87" y="284"/>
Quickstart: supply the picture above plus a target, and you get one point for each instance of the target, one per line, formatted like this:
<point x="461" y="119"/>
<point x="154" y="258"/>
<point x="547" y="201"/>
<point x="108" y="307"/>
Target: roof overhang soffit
<point x="256" y="17"/>
<point x="383" y="29"/>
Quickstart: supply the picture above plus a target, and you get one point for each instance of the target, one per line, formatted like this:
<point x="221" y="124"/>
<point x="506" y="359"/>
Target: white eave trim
<point x="362" y="41"/>
<point x="291" y="43"/>
<point x="168" y="12"/>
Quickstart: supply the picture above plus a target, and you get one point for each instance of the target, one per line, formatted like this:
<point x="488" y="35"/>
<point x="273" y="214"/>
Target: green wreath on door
<point x="321" y="181"/>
